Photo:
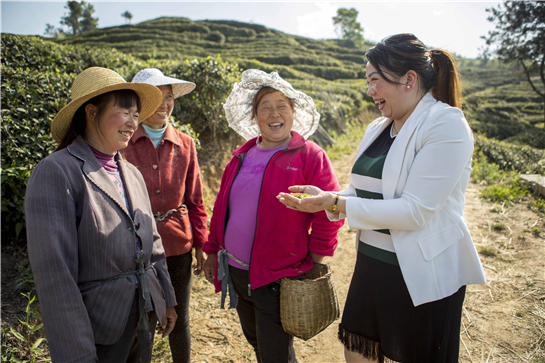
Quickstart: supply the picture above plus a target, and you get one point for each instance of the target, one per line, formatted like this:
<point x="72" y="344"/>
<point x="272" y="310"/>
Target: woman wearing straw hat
<point x="167" y="159"/>
<point x="98" y="261"/>
<point x="253" y="241"/>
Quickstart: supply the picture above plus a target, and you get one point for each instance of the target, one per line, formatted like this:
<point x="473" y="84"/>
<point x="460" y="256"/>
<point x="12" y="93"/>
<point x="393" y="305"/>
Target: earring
<point x="408" y="86"/>
<point x="257" y="140"/>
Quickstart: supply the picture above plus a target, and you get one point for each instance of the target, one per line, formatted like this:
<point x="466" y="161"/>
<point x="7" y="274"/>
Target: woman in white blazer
<point x="406" y="199"/>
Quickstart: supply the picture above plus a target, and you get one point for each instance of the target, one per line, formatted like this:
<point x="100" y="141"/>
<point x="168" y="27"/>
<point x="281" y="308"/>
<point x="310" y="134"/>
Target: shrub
<point x="231" y="31"/>
<point x="36" y="79"/>
<point x="215" y="36"/>
<point x="203" y="107"/>
<point x="236" y="24"/>
<point x="523" y="159"/>
<point x="485" y="172"/>
<point x="507" y="193"/>
<point x="329" y="73"/>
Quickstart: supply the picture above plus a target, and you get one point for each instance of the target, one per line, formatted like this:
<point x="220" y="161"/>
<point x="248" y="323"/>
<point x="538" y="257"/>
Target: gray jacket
<point x="80" y="234"/>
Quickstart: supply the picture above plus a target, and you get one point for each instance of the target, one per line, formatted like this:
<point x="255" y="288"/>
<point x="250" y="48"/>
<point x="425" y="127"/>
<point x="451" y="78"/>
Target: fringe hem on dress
<point x="366" y="347"/>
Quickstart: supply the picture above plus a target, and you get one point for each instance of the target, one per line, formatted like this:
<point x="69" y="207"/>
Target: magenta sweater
<point x="282" y="239"/>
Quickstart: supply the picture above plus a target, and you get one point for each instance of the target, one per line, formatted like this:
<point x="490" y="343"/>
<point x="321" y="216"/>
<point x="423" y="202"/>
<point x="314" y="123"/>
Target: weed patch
<point x="508" y="193"/>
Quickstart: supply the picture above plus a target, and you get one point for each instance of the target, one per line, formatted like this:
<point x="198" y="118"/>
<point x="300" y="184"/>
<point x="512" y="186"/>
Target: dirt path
<point x="503" y="320"/>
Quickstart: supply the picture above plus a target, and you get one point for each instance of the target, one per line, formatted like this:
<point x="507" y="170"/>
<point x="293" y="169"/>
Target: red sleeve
<point x="323" y="236"/>
<point x="194" y="201"/>
<point x="212" y="245"/>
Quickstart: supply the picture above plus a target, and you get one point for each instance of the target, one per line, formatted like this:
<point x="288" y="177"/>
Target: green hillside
<point x="504" y="113"/>
<point x="499" y="102"/>
<point x="327" y="71"/>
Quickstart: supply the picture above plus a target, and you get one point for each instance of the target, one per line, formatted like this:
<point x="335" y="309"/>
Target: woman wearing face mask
<point x="97" y="259"/>
<point x="254" y="242"/>
<point x="167" y="159"/>
<point x="406" y="199"/>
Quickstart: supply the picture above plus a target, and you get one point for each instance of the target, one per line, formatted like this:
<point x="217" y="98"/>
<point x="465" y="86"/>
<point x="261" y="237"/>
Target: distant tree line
<point x="79" y="20"/>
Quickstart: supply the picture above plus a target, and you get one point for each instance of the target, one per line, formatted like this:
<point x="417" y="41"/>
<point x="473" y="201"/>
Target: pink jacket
<point x="282" y="239"/>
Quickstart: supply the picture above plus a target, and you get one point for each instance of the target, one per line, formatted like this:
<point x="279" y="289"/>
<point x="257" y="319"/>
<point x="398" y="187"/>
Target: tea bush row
<point x="36" y="79"/>
<point x="508" y="156"/>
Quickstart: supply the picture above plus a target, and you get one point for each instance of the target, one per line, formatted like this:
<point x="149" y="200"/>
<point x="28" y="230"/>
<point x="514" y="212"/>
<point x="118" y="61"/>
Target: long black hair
<point x="397" y="54"/>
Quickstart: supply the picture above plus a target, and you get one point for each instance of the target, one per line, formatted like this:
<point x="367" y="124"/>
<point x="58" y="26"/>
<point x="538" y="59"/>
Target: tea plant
<point x="33" y="351"/>
<point x="538" y="206"/>
<point x="509" y="192"/>
<point x="25" y="280"/>
<point x="485" y="172"/>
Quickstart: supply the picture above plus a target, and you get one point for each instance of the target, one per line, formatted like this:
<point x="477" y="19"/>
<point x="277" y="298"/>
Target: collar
<point x="297" y="141"/>
<point x="92" y="168"/>
<point x="170" y="135"/>
<point x="81" y="149"/>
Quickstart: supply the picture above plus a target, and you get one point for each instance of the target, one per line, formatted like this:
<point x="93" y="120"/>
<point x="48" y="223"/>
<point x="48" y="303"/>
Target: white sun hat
<point x="238" y="107"/>
<point x="157" y="78"/>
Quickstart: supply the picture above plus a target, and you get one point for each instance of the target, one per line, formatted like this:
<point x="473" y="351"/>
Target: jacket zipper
<point x="257" y="215"/>
<point x="240" y="158"/>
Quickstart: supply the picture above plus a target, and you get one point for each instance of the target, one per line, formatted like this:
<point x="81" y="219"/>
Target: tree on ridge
<point x="128" y="16"/>
<point x="520" y="37"/>
<point x="348" y="28"/>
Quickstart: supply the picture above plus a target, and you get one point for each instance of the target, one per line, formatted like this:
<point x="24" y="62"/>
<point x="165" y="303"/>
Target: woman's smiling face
<point x="275" y="119"/>
<point x="159" y="119"/>
<point x="115" y="127"/>
<point x="387" y="95"/>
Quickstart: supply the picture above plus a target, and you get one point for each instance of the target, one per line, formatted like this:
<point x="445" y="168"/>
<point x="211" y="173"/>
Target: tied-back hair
<point x="124" y="98"/>
<point x="436" y="68"/>
<point x="262" y="93"/>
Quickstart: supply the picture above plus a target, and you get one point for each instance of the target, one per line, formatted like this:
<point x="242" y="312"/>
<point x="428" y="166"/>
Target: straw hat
<point x="95" y="81"/>
<point x="157" y="78"/>
<point x="238" y="107"/>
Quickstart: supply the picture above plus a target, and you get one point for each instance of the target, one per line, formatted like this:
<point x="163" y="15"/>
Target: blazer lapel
<point x="394" y="159"/>
<point x="94" y="171"/>
<point x="128" y="180"/>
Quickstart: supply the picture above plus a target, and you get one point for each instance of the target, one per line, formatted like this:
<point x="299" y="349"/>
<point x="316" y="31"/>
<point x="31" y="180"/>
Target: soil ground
<point x="503" y="320"/>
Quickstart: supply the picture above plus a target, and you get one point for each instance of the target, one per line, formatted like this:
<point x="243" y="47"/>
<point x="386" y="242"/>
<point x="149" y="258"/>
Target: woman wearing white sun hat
<point x="97" y="259"/>
<point x="252" y="238"/>
<point x="167" y="159"/>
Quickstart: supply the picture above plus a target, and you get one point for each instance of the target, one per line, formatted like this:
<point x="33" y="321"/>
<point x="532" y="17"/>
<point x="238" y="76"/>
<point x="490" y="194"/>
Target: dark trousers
<point x="259" y="316"/>
<point x="179" y="268"/>
<point x="127" y="348"/>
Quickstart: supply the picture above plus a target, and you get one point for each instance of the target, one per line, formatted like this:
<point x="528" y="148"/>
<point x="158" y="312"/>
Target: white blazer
<point x="425" y="175"/>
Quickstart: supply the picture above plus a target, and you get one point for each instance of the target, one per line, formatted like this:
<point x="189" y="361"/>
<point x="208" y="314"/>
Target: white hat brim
<point x="238" y="106"/>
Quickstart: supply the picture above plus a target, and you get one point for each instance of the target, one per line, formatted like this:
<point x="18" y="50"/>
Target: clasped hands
<point x="318" y="201"/>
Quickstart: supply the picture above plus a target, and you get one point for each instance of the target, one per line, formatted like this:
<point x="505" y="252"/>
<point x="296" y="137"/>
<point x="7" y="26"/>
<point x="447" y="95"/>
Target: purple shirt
<point x="110" y="165"/>
<point x="243" y="200"/>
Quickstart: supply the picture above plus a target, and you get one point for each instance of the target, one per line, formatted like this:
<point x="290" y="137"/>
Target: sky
<point x="455" y="26"/>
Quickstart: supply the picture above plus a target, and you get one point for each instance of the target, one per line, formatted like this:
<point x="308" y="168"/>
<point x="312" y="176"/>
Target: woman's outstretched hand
<point x="318" y="201"/>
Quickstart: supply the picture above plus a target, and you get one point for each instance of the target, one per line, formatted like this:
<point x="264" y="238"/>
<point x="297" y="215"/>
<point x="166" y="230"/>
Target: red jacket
<point x="282" y="240"/>
<point x="172" y="178"/>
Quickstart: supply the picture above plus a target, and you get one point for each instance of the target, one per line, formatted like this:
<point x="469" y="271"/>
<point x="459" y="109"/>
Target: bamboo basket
<point x="310" y="304"/>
